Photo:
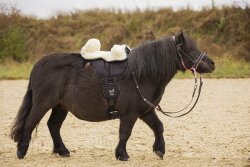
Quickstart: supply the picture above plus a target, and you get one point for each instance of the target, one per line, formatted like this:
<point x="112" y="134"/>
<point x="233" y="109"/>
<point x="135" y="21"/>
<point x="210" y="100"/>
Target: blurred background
<point x="31" y="29"/>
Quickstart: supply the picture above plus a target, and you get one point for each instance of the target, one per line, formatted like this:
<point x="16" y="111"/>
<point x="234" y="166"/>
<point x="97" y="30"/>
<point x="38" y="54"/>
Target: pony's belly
<point x="92" y="116"/>
<point x="94" y="110"/>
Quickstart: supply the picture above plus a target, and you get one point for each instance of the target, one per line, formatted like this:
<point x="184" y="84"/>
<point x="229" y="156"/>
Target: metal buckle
<point x="114" y="114"/>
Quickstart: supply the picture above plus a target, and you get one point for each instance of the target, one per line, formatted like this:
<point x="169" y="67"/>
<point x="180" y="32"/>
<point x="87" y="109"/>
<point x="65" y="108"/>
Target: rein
<point x="193" y="69"/>
<point x="158" y="107"/>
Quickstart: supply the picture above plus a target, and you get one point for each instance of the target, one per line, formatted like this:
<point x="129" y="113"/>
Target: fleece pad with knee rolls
<point x="91" y="51"/>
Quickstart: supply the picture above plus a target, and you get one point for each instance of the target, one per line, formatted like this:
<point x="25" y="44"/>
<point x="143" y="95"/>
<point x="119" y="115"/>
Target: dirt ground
<point x="216" y="133"/>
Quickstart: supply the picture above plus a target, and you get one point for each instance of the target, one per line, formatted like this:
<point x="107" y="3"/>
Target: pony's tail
<point x="24" y="110"/>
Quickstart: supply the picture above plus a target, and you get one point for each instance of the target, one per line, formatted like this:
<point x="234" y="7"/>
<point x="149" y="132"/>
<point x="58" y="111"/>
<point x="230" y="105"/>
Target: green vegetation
<point x="225" y="68"/>
<point x="13" y="70"/>
<point x="13" y="44"/>
<point x="222" y="33"/>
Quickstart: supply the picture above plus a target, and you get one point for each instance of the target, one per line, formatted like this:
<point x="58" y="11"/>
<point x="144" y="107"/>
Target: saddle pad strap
<point x="111" y="91"/>
<point x="113" y="113"/>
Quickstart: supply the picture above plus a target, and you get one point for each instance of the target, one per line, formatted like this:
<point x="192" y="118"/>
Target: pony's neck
<point x="154" y="61"/>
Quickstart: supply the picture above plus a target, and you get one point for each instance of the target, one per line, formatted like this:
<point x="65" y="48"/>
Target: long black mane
<point x="154" y="60"/>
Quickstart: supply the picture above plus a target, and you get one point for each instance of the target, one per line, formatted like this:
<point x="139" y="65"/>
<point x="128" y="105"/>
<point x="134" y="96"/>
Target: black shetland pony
<point x="64" y="82"/>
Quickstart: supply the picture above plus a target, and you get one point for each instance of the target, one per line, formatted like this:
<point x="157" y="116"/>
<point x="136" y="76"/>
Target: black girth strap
<point x="109" y="73"/>
<point x="111" y="91"/>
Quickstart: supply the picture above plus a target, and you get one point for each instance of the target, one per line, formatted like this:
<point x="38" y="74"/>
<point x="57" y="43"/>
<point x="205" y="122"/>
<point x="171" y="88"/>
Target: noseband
<point x="196" y="63"/>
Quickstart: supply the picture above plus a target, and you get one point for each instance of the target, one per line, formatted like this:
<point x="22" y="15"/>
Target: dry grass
<point x="225" y="68"/>
<point x="218" y="32"/>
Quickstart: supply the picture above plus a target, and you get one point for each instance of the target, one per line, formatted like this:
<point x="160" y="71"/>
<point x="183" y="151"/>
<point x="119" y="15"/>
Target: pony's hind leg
<point x="152" y="120"/>
<point x="55" y="121"/>
<point x="34" y="117"/>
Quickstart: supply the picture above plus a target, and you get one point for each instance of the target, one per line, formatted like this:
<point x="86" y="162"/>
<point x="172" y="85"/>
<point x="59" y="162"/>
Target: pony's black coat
<point x="66" y="82"/>
<point x="155" y="60"/>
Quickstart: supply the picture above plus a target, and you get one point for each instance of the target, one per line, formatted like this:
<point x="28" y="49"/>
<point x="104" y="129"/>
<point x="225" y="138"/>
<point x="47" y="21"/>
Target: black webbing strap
<point x="111" y="91"/>
<point x="112" y="111"/>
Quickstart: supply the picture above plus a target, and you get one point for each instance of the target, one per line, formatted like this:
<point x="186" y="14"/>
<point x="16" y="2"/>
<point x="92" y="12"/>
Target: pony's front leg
<point x="152" y="120"/>
<point x="126" y="124"/>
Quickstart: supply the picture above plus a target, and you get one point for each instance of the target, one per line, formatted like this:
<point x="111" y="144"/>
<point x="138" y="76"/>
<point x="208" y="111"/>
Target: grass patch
<point x="14" y="70"/>
<point x="225" y="68"/>
<point x="230" y="68"/>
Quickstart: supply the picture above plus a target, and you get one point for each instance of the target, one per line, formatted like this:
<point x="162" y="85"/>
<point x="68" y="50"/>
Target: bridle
<point x="180" y="52"/>
<point x="196" y="63"/>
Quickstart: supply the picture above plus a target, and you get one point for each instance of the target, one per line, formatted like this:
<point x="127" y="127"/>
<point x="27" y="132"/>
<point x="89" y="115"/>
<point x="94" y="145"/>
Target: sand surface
<point x="216" y="133"/>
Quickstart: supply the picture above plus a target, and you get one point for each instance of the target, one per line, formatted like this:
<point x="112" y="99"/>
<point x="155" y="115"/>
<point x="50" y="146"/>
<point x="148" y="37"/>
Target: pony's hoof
<point x="122" y="158"/>
<point x="62" y="152"/>
<point x="19" y="155"/>
<point x="64" y="155"/>
<point x="159" y="154"/>
<point x="121" y="154"/>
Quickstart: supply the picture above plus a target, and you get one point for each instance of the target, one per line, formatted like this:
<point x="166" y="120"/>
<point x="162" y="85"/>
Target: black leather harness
<point x="110" y="73"/>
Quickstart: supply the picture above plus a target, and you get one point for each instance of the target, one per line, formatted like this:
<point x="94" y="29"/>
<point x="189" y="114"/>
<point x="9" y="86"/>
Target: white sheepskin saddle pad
<point x="91" y="51"/>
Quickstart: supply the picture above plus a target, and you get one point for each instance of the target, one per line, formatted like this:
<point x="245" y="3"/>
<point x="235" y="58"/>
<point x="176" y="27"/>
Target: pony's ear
<point x="179" y="38"/>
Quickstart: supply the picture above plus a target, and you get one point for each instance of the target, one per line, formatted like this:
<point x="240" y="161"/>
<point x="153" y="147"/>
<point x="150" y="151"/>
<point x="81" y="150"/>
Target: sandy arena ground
<point x="216" y="133"/>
